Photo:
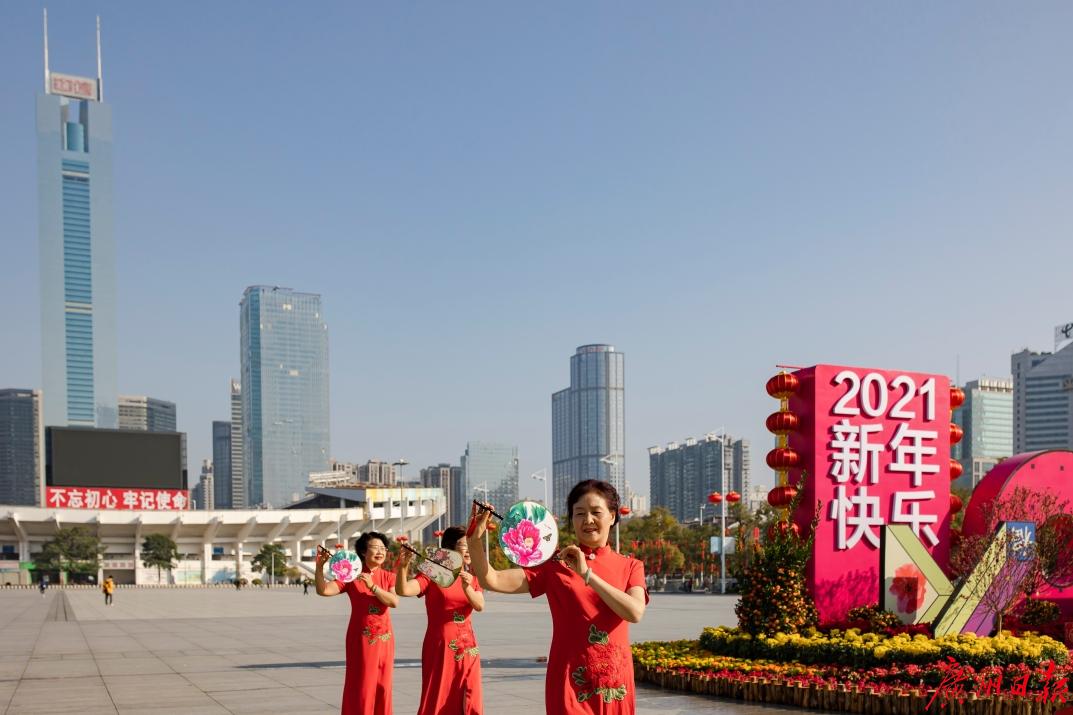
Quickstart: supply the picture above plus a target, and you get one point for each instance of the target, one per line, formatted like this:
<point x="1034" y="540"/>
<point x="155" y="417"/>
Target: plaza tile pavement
<point x="277" y="651"/>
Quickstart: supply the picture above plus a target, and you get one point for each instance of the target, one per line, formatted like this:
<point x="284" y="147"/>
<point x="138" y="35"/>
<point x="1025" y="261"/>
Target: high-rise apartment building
<point x="284" y="356"/>
<point x="237" y="472"/>
<point x="490" y="471"/>
<point x="452" y="481"/>
<point x="148" y="414"/>
<point x="588" y="423"/>
<point x="681" y="476"/>
<point x="77" y="250"/>
<point x="987" y="420"/>
<point x="221" y="465"/>
<point x="21" y="447"/>
<point x="1042" y="408"/>
<point x="379" y="472"/>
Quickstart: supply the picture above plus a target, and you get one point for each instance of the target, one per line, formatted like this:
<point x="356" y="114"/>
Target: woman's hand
<point x="405" y="557"/>
<point x="322" y="556"/>
<point x="466" y="579"/>
<point x="478" y="521"/>
<point x="575" y="560"/>
<point x="367" y="579"/>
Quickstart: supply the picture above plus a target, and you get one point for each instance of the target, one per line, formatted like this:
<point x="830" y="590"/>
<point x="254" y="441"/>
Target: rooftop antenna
<point x="100" y="76"/>
<point x="46" y="50"/>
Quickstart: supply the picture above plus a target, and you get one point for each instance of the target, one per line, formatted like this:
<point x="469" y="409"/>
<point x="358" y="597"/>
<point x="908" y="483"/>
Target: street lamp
<point x="542" y="476"/>
<point x="717" y="498"/>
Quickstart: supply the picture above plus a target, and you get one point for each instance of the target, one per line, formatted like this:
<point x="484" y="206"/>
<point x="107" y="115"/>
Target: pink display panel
<point x="875" y="446"/>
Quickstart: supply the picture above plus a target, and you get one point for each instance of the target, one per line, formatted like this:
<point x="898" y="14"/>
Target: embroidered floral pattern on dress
<point x="374" y="611"/>
<point x="465" y="644"/>
<point x="457" y="617"/>
<point x="374" y="637"/>
<point x="601" y="671"/>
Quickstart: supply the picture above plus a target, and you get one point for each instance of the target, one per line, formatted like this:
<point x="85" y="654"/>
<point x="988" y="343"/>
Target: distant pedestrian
<point x="42" y="585"/>
<point x="109" y="588"/>
<point x="305" y="587"/>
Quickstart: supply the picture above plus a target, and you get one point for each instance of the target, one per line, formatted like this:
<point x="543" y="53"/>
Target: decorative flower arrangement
<point x="688" y="657"/>
<point x="863" y="650"/>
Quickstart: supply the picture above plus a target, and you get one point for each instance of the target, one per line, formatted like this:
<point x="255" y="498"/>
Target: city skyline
<point x="757" y="180"/>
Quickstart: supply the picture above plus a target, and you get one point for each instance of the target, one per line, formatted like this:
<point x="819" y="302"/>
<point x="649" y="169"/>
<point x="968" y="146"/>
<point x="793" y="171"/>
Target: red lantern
<point x="782" y="422"/>
<point x="956" y="433"/>
<point x="715" y="498"/>
<point x="781" y="497"/>
<point x="624" y="510"/>
<point x="733" y="497"/>
<point x="401" y="538"/>
<point x="957" y="397"/>
<point x="955" y="504"/>
<point x="782" y="385"/>
<point x="783" y="458"/>
<point x="955" y="469"/>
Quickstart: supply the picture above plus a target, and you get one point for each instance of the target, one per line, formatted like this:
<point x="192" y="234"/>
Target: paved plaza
<point x="277" y="651"/>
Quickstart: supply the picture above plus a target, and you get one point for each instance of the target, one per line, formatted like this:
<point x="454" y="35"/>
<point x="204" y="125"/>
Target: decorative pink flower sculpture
<point x="342" y="570"/>
<point x="524" y="541"/>
<point x="910" y="587"/>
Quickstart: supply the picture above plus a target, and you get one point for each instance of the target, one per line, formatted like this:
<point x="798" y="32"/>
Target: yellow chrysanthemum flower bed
<point x="851" y="647"/>
<point x="688" y="654"/>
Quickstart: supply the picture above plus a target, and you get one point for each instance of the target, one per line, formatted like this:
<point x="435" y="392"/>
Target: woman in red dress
<point x="450" y="660"/>
<point x="370" y="643"/>
<point x="594" y="593"/>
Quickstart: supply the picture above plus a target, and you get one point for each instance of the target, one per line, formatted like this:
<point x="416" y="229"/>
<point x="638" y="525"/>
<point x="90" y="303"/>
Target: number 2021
<point x="872" y="394"/>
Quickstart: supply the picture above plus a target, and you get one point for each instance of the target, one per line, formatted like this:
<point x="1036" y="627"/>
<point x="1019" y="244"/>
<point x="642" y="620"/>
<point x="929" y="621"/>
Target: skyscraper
<point x="1042" y="409"/>
<point x="77" y="249"/>
<point x="21" y="445"/>
<point x="221" y="465"/>
<point x="588" y="423"/>
<point x="451" y="480"/>
<point x="681" y="476"/>
<point x="238" y="473"/>
<point x="284" y="356"/>
<point x="148" y="414"/>
<point x="490" y="471"/>
<point x="987" y="420"/>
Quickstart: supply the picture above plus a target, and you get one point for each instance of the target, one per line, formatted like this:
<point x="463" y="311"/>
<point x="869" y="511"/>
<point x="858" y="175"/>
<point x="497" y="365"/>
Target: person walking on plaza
<point x="370" y="641"/>
<point x="305" y="587"/>
<point x="42" y="585"/>
<point x="450" y="660"/>
<point x="109" y="588"/>
<point x="594" y="594"/>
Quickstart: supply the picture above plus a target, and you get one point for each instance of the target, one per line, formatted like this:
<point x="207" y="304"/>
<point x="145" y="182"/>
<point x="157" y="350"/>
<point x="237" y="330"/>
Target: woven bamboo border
<point x="845" y="699"/>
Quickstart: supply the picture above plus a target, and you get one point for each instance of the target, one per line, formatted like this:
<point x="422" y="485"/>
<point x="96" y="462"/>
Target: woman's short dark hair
<point x="362" y="544"/>
<point x="592" y="486"/>
<point x="451" y="536"/>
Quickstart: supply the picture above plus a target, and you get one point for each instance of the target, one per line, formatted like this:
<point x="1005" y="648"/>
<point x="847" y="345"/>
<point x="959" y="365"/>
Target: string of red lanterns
<point x="782" y="458"/>
<point x="957" y="399"/>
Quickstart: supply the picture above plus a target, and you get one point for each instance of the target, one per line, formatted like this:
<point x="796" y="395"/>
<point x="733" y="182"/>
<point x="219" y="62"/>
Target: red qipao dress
<point x="590" y="668"/>
<point x="370" y="649"/>
<point x="450" y="660"/>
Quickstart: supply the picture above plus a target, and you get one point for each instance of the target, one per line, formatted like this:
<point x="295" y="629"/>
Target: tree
<point x="1046" y="559"/>
<point x="73" y="550"/>
<point x="272" y="559"/>
<point x="159" y="552"/>
<point x="774" y="598"/>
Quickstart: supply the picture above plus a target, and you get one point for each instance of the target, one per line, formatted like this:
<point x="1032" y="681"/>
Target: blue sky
<point x="478" y="188"/>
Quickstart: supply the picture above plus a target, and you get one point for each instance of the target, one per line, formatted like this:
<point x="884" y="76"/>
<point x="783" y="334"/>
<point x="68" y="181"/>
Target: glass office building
<point x="21" y="446"/>
<point x="77" y="252"/>
<point x="588" y="423"/>
<point x="986" y="417"/>
<point x="221" y="465"/>
<point x="1042" y="402"/>
<point x="490" y="471"/>
<point x="284" y="357"/>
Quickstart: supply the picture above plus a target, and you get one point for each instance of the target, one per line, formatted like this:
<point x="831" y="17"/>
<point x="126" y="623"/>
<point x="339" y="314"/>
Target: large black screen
<point x="113" y="458"/>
